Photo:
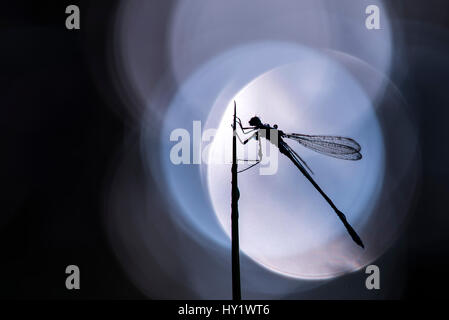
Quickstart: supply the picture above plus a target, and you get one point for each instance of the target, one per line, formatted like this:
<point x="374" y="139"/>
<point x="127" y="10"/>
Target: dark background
<point x="57" y="137"/>
<point x="60" y="132"/>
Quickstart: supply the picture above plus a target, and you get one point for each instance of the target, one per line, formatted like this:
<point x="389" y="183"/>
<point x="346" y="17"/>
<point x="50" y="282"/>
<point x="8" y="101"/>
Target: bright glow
<point x="214" y="50"/>
<point x="285" y="225"/>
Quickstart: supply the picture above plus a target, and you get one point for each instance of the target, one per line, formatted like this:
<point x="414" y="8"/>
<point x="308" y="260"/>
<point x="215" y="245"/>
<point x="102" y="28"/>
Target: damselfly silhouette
<point x="334" y="146"/>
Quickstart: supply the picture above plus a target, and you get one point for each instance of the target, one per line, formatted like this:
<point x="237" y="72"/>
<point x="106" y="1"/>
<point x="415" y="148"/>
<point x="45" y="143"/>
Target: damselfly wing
<point x="334" y="146"/>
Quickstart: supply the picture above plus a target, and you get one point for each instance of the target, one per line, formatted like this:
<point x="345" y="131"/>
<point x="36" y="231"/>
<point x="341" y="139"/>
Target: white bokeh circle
<point x="284" y="223"/>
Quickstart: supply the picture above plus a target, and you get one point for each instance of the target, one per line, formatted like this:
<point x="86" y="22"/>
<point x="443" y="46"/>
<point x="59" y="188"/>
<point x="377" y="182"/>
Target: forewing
<point x="334" y="146"/>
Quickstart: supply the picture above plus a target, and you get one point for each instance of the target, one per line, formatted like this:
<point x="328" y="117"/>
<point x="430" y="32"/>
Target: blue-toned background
<point x="86" y="122"/>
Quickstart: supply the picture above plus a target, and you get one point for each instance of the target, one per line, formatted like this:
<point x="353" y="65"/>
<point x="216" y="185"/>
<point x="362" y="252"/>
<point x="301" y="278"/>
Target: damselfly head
<point x="255" y="121"/>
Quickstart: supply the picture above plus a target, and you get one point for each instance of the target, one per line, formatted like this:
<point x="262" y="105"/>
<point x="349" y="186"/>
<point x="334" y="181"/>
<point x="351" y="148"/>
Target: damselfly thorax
<point x="272" y="134"/>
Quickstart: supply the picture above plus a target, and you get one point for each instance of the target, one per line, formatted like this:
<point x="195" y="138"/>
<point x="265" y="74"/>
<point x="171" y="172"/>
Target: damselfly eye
<point x="255" y="121"/>
<point x="275" y="126"/>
